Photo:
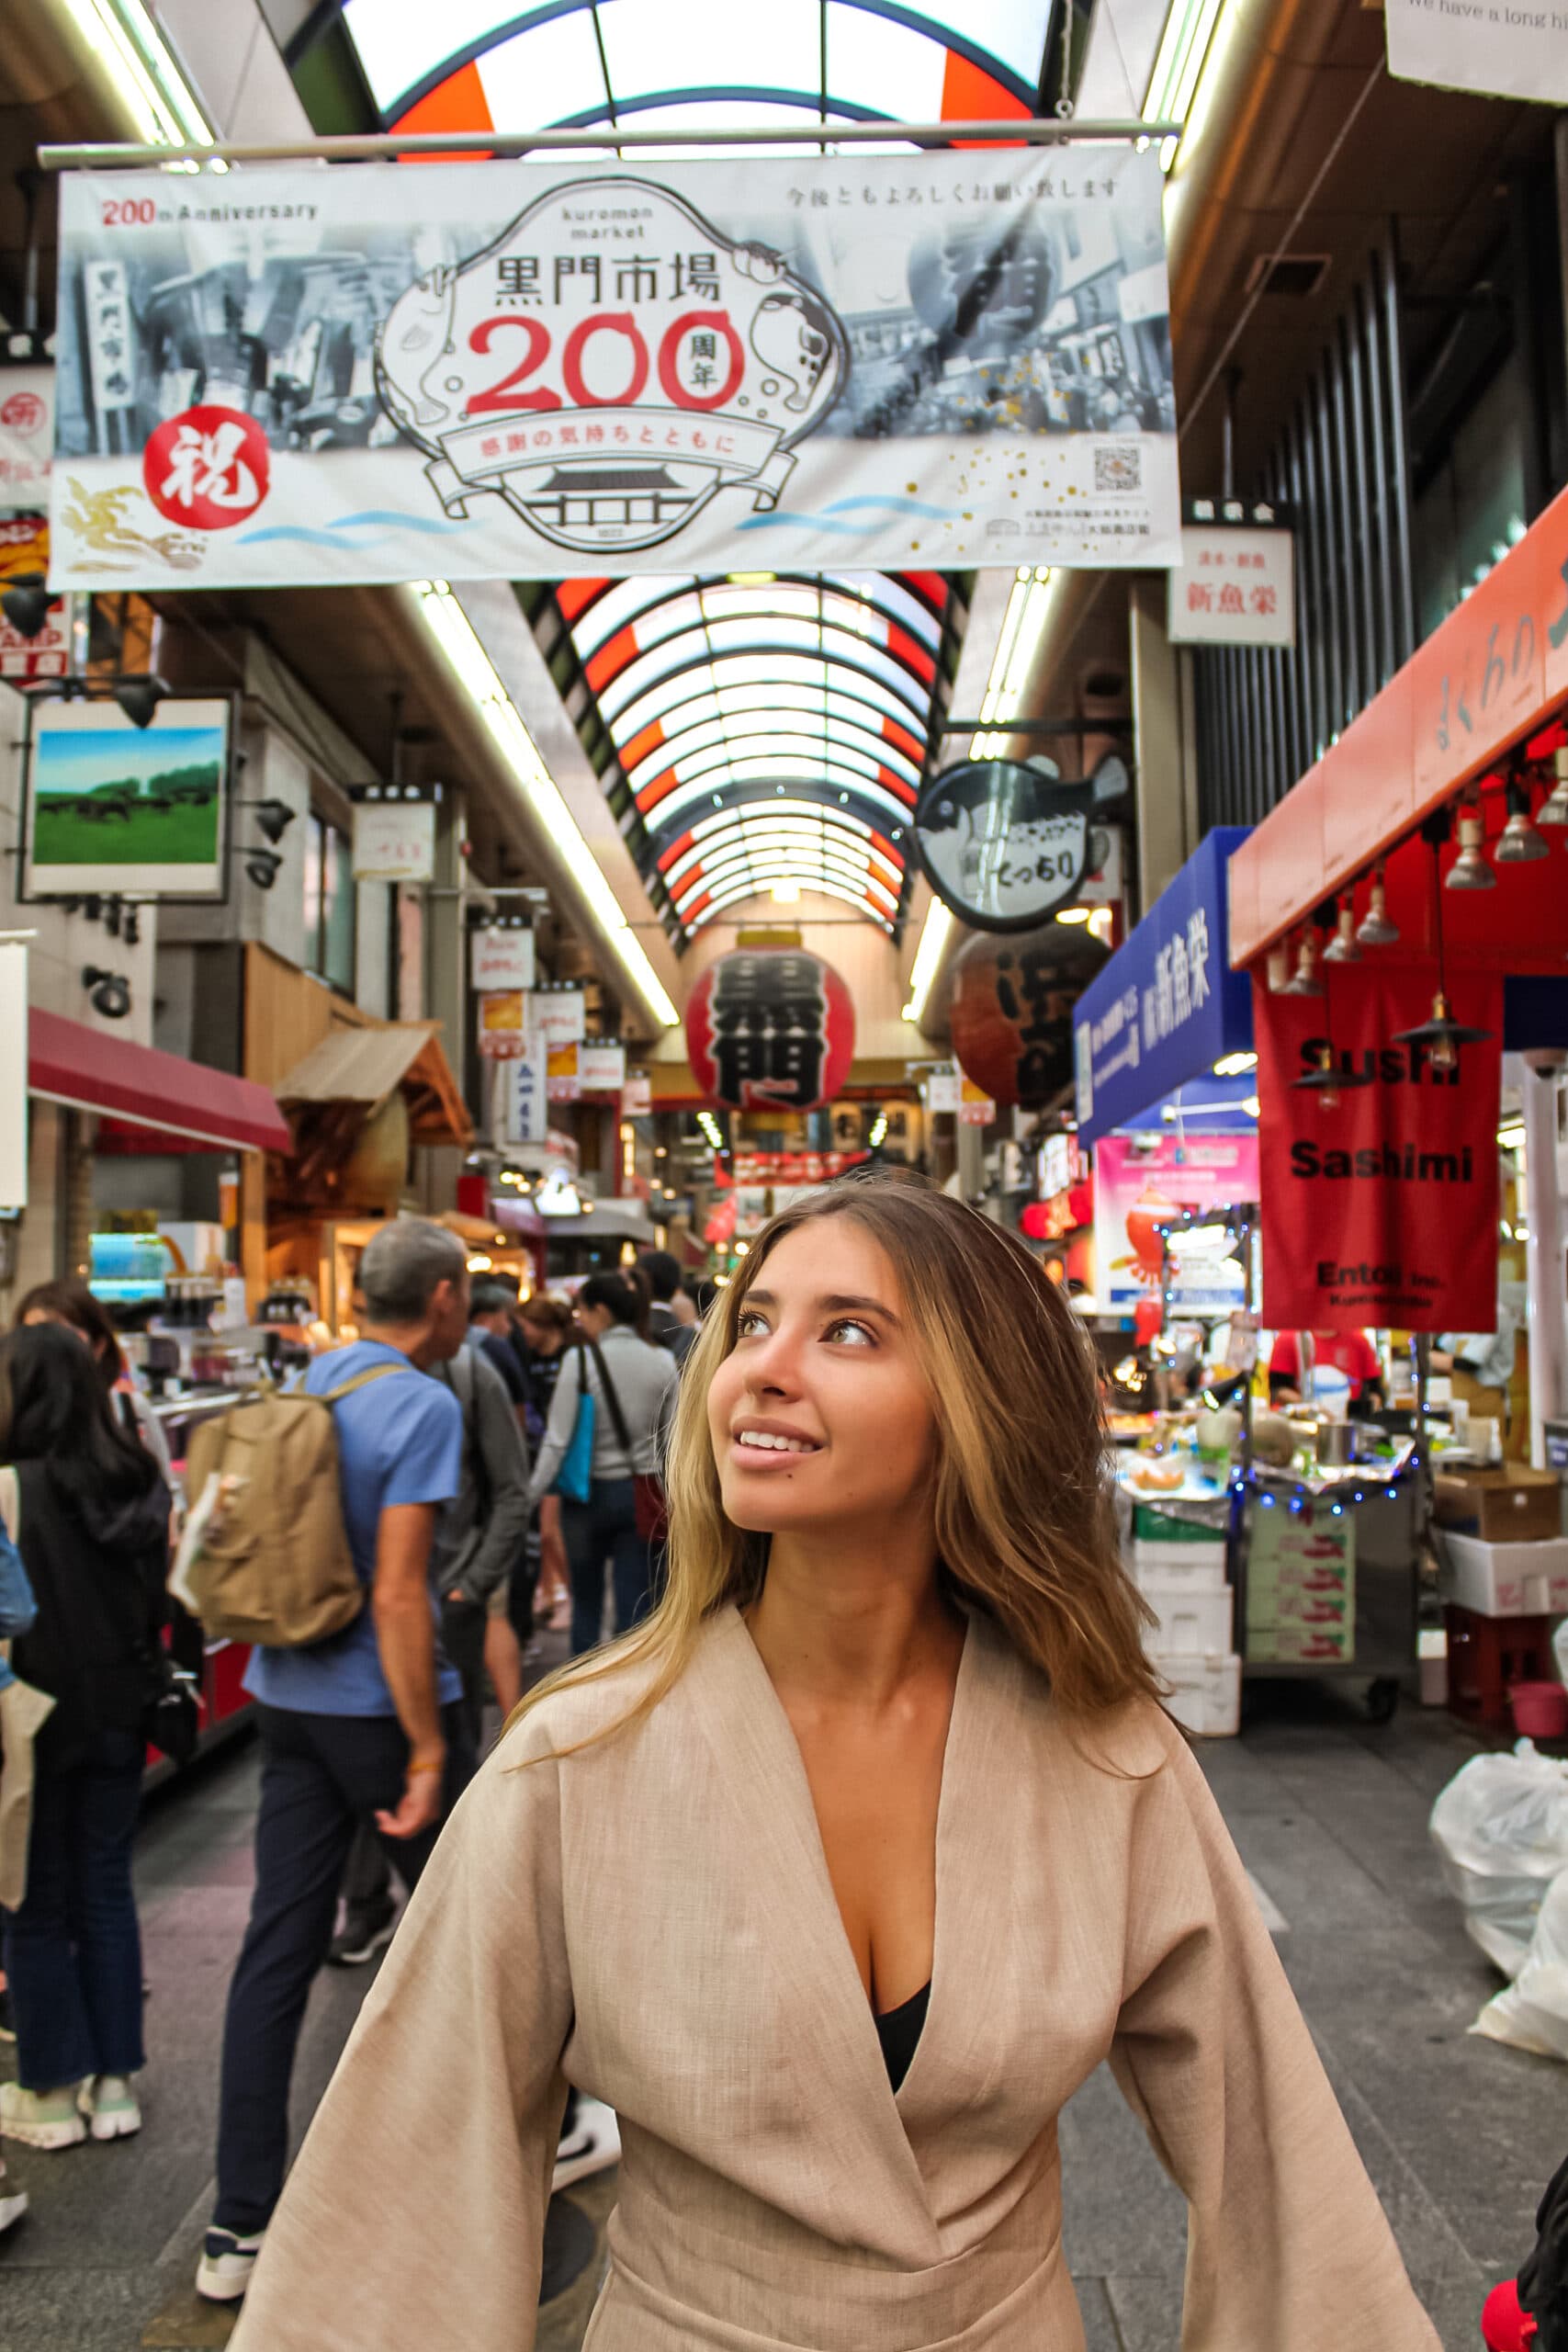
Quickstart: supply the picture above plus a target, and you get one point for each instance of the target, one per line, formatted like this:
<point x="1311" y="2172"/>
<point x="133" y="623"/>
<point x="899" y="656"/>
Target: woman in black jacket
<point x="91" y="1516"/>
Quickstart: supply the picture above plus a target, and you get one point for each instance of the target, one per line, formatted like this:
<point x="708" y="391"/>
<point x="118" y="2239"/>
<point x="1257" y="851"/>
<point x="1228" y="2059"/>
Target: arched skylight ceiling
<point x="751" y="729"/>
<point x="491" y="65"/>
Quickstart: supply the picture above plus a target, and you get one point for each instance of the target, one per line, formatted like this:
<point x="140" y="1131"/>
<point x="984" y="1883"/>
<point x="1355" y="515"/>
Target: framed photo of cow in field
<point x="117" y="809"/>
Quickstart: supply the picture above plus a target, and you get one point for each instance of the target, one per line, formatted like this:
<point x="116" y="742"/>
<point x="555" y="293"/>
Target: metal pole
<point x="369" y="147"/>
<point x="1544" y="1258"/>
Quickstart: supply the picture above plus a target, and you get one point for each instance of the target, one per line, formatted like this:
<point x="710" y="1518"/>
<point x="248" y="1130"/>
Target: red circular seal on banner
<point x="22" y="412"/>
<point x="770" y="1028"/>
<point x="208" y="468"/>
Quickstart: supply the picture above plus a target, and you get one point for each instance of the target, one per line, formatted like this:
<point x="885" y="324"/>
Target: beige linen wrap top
<point x="653" y="1922"/>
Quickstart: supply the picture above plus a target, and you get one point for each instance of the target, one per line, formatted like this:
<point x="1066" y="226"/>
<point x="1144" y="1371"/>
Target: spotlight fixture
<point x="1470" y="870"/>
<point x="1375" y="929"/>
<point x="1306" y="981"/>
<point x="274" y="817"/>
<point x="1519" y="843"/>
<point x="1342" y="947"/>
<point x="139" y="698"/>
<point x="1554" y="809"/>
<point x="25" y="604"/>
<point x="1279" y="971"/>
<point x="262" y="866"/>
<point x="110" y="992"/>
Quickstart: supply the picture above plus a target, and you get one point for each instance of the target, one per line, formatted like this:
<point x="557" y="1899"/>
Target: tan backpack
<point x="267" y="1556"/>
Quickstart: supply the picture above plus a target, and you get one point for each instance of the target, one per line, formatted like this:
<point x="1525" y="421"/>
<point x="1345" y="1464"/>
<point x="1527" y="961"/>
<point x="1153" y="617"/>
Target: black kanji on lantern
<point x="769" y="1016"/>
<point x="1031" y="978"/>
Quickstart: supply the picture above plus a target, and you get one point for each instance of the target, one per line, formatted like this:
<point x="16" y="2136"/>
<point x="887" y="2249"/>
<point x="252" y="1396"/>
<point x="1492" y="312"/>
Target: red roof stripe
<point x="611" y="658"/>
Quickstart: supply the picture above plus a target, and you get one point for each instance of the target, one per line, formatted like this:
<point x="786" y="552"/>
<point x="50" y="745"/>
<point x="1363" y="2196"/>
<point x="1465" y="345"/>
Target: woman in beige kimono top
<point x="673" y="1886"/>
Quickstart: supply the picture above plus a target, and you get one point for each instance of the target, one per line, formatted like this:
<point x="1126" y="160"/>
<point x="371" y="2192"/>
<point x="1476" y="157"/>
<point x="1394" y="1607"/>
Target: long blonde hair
<point x="1024" y="1521"/>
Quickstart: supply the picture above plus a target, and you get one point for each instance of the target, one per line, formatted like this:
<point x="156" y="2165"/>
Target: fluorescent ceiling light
<point x="167" y="111"/>
<point x="1179" y="67"/>
<point x="1234" y="1065"/>
<point x="1010" y="664"/>
<point x="454" y="632"/>
<point x="928" y="957"/>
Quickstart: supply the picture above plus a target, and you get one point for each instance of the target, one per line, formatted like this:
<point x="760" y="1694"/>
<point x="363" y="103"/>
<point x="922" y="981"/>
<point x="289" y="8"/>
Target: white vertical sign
<point x="525" y="1113"/>
<point x="13" y="1075"/>
<point x="110" y="350"/>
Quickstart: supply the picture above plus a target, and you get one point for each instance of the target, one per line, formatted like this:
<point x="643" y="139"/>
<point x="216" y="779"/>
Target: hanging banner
<point x="601" y="1068"/>
<point x="1499" y="46"/>
<point x="1142" y="1183"/>
<point x="394" y="840"/>
<point x="502" y="957"/>
<point x="1380" y="1209"/>
<point x="1167" y="1007"/>
<point x="539" y="369"/>
<point x="561" y="1081"/>
<point x="27" y="436"/>
<point x="524" y="1112"/>
<point x="560" y="1016"/>
<point x="502" y="1036"/>
<point x="24" y="548"/>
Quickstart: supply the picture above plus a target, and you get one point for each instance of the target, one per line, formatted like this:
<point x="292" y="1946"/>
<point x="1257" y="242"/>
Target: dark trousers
<point x="605" y="1529"/>
<point x="73" y="1949"/>
<point x="321" y="1775"/>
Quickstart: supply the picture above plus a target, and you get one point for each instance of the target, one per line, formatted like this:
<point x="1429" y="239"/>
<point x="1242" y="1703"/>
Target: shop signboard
<point x="601" y="1068"/>
<point x="562" y="1083"/>
<point x="1145" y="1181"/>
<point x="1167" y="1007"/>
<point x="581" y="369"/>
<point x="524" y="1111"/>
<point x="503" y="1035"/>
<point x="560" y="1015"/>
<point x="1005" y="842"/>
<point x="24" y="548"/>
<point x="13" y="1074"/>
<point x="1236" y="584"/>
<point x="394" y="840"/>
<point x="1501" y="48"/>
<point x="502" y="957"/>
<point x="1382" y="1207"/>
<point x="26" y="436"/>
<point x="139" y="811"/>
<point x="945" y="1092"/>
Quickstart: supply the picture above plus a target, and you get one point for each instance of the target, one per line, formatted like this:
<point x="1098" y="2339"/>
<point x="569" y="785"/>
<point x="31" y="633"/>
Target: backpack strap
<point x="363" y="1380"/>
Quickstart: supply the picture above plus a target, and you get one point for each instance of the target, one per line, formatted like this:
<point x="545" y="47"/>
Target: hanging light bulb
<point x="1376" y="930"/>
<point x="1442" y="1036"/>
<point x="1519" y="843"/>
<point x="1342" y="947"/>
<point x="1329" y="1080"/>
<point x="1279" y="971"/>
<point x="1554" y="809"/>
<point x="1306" y="981"/>
<point x="1470" y="870"/>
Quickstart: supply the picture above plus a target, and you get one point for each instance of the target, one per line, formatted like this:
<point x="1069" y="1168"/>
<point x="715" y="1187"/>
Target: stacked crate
<point x="1181" y="1569"/>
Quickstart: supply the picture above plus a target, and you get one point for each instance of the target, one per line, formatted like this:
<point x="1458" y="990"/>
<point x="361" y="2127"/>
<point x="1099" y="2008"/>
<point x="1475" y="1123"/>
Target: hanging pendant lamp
<point x="1306" y="981"/>
<point x="1554" y="808"/>
<point x="1342" y="947"/>
<point x="1375" y="930"/>
<point x="1470" y="870"/>
<point x="1442" y="1035"/>
<point x="1519" y="843"/>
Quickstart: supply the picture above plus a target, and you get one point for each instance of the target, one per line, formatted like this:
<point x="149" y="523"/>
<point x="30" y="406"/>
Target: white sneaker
<point x="13" y="2201"/>
<point x="40" y="2119"/>
<point x="110" y="2106"/>
<point x="594" y="2144"/>
<point x="227" y="2262"/>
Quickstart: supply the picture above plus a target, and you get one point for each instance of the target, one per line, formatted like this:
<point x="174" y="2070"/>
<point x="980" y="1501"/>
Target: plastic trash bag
<point x="1533" y="2012"/>
<point x="1501" y="1830"/>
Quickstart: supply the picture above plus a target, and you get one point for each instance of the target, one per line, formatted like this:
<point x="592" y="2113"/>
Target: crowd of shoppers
<point x="453" y="1413"/>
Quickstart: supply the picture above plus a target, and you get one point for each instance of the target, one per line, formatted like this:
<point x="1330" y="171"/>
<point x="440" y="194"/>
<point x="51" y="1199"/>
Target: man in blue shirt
<point x="367" y="1724"/>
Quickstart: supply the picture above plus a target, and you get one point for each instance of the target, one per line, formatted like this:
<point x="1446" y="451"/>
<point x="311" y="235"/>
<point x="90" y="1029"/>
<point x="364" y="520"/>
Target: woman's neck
<point x="854" y="1619"/>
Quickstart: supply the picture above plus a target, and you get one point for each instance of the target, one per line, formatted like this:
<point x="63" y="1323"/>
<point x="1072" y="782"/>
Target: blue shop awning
<point x="1167" y="1007"/>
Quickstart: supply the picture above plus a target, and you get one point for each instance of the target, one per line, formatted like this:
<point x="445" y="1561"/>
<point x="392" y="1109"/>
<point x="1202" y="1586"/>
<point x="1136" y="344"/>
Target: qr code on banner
<point x="1120" y="469"/>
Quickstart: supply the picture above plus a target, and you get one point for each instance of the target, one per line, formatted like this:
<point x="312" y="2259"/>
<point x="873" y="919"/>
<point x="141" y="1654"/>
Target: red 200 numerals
<point x="501" y="397"/>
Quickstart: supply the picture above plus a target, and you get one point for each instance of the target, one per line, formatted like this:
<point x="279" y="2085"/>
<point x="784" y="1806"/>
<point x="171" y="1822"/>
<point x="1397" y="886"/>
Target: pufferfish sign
<point x="525" y="369"/>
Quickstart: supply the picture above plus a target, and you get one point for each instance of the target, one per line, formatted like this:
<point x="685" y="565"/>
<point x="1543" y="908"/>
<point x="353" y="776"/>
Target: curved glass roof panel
<point x="714" y="903"/>
<point x="933" y="59"/>
<point x="747" y="716"/>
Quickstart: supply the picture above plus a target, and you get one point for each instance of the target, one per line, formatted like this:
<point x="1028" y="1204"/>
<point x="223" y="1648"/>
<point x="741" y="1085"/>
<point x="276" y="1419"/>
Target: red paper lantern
<point x="770" y="1028"/>
<point x="1012" y="1009"/>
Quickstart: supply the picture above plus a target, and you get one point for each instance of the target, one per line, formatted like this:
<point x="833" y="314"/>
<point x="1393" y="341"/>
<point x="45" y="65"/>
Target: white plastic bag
<point x="1501" y="1829"/>
<point x="1533" y="2012"/>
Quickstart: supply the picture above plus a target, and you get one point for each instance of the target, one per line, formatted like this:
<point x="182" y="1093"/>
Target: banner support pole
<point x="373" y="146"/>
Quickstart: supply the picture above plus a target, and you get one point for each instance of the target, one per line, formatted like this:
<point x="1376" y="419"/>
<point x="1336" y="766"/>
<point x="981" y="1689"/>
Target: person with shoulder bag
<point x="91" y="1517"/>
<point x="611" y="1502"/>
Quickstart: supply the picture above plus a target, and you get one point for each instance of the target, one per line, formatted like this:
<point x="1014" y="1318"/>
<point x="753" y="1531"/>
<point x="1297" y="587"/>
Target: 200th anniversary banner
<point x="520" y="369"/>
<point x="1380" y="1208"/>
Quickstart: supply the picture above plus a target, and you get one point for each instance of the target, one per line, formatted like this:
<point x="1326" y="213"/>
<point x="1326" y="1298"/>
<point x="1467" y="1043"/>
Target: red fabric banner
<point x="1380" y="1209"/>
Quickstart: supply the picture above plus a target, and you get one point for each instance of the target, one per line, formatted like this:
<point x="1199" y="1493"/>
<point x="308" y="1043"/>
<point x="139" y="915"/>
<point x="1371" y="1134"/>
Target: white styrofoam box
<point x="1205" y="1693"/>
<point x="1506" y="1579"/>
<point x="1197" y="1567"/>
<point x="1192" y="1624"/>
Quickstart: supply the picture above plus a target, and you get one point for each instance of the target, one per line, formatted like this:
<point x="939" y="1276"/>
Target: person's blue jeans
<point x="73" y="1949"/>
<point x="321" y="1775"/>
<point x="604" y="1528"/>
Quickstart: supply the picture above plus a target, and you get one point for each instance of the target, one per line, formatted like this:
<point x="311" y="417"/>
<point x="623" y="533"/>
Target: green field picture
<point x="118" y="807"/>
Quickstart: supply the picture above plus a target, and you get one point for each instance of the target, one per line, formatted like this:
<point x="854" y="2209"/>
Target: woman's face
<point x="825" y="1366"/>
